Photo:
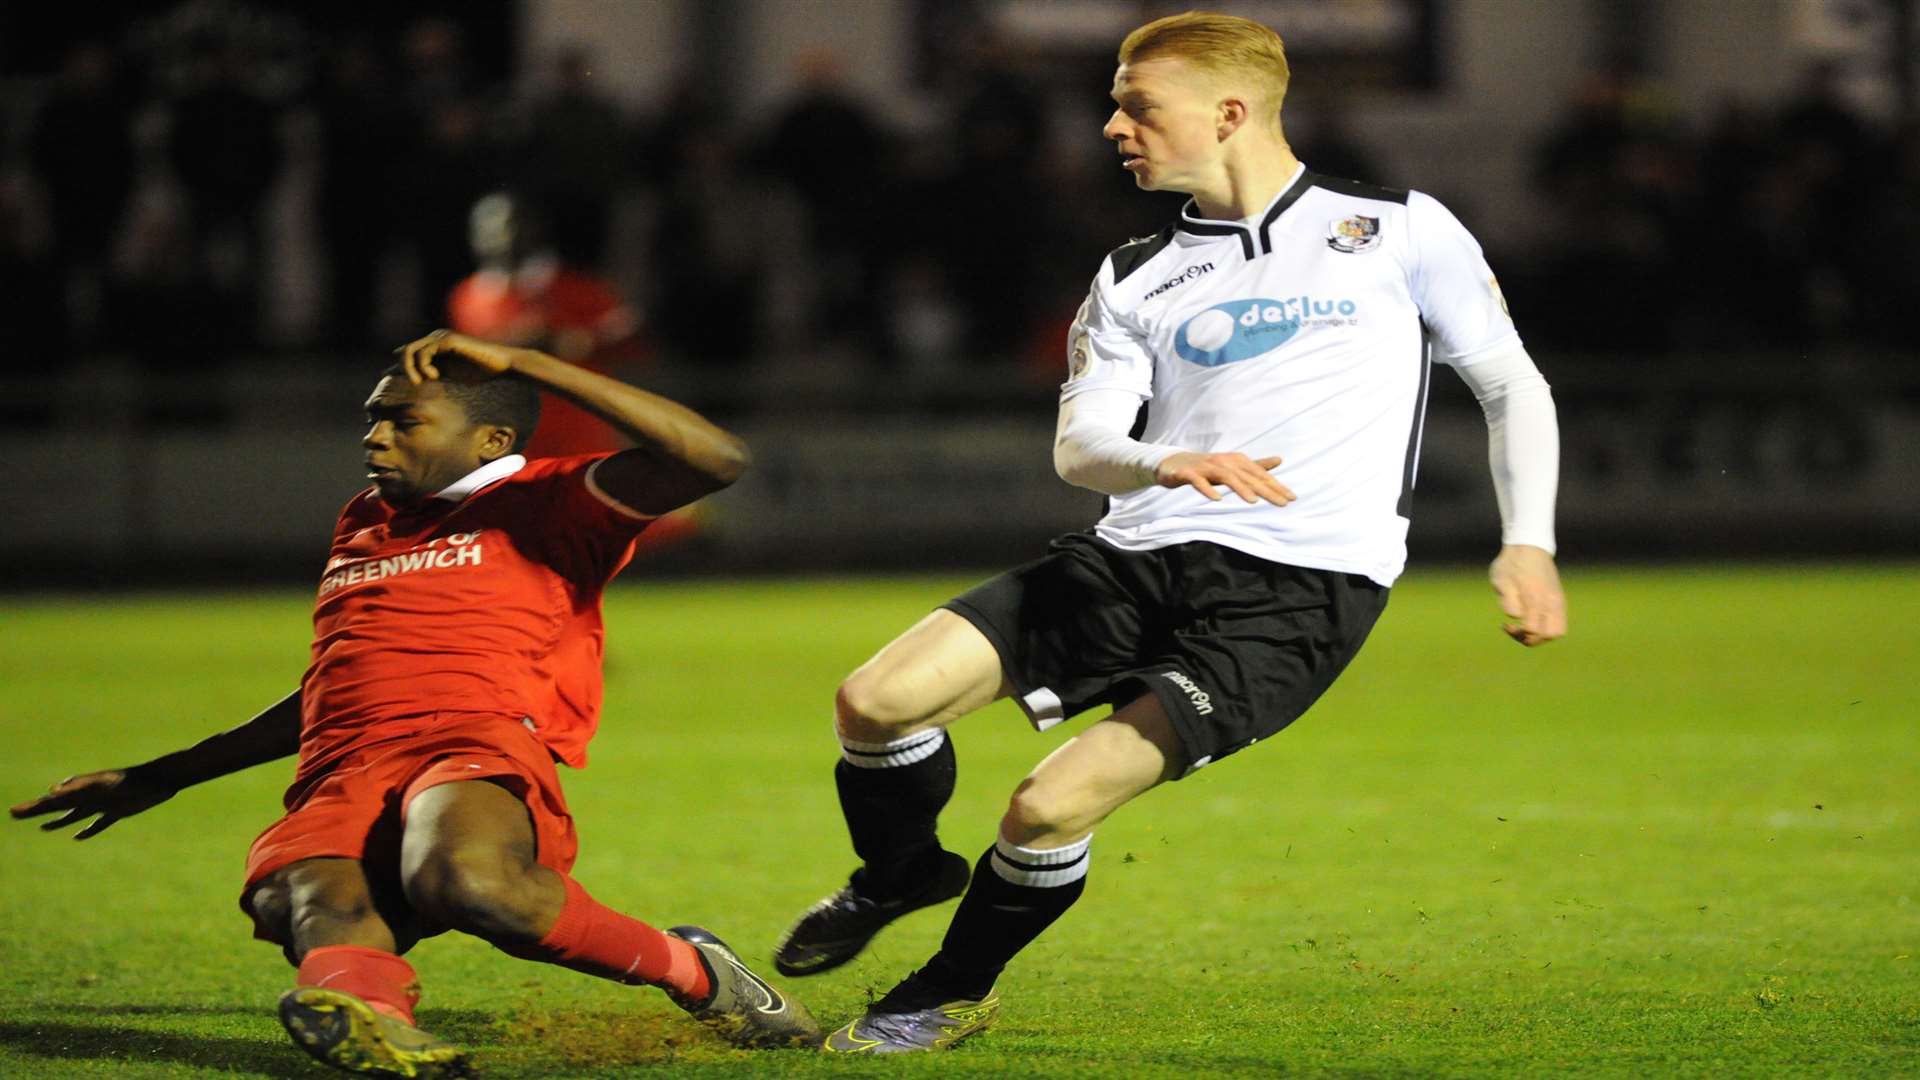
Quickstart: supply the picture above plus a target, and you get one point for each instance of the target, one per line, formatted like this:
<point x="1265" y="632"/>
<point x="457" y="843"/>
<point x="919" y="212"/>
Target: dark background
<point x="216" y="219"/>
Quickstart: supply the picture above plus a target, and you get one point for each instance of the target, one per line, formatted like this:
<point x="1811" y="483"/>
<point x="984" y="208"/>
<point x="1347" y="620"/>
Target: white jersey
<point x="1304" y="333"/>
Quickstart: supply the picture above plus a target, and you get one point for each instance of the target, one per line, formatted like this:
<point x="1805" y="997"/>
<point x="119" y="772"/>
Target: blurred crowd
<point x="1786" y="227"/>
<point x="149" y="183"/>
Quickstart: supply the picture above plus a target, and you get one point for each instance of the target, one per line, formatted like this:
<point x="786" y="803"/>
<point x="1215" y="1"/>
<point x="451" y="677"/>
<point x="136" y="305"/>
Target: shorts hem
<point x="1008" y="670"/>
<point x="1186" y="723"/>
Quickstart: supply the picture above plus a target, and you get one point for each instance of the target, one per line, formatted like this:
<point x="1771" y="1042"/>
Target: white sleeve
<point x="1454" y="288"/>
<point x="1104" y="351"/>
<point x="1091" y="448"/>
<point x="1523" y="441"/>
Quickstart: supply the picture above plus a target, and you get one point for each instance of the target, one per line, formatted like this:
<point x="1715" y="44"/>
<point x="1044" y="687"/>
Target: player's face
<point x="418" y="440"/>
<point x="1166" y="125"/>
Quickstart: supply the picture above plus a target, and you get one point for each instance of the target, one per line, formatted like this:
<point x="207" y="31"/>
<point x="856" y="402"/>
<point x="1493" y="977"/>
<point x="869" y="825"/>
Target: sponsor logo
<point x="1202" y="701"/>
<point x="1189" y="274"/>
<point x="458" y="549"/>
<point x="1243" y="329"/>
<point x="1493" y="284"/>
<point x="1353" y="234"/>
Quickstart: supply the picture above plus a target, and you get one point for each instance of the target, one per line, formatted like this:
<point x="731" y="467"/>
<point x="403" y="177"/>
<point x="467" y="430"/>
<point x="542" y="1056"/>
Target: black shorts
<point x="1235" y="647"/>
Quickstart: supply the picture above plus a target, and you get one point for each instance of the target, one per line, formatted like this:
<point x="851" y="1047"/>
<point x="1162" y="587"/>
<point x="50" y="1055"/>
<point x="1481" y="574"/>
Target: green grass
<point x="1685" y="841"/>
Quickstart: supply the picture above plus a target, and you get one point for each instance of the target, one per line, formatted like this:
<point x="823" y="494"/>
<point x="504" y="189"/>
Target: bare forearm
<point x="648" y="419"/>
<point x="273" y="734"/>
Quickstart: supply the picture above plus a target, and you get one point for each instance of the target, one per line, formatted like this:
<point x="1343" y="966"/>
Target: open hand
<point x="1249" y="478"/>
<point x="1528" y="585"/>
<point x="420" y="358"/>
<point x="113" y="794"/>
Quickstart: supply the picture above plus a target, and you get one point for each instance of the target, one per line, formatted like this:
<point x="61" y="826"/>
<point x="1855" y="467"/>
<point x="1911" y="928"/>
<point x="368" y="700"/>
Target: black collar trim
<point x="1202" y="227"/>
<point x="1280" y="205"/>
<point x="1199" y="226"/>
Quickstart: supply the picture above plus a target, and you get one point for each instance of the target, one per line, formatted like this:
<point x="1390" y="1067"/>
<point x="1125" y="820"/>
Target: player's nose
<point x="1116" y="126"/>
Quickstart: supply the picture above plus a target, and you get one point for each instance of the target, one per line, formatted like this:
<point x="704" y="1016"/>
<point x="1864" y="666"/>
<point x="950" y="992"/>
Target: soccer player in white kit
<point x="1248" y="387"/>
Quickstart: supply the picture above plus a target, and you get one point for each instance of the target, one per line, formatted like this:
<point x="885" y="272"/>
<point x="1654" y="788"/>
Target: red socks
<point x="592" y="938"/>
<point x="588" y="937"/>
<point x="381" y="979"/>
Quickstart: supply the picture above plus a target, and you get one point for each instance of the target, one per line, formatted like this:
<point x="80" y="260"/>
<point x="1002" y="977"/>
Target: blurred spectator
<point x="82" y="152"/>
<point x="572" y="156"/>
<point x="226" y="152"/>
<point x="710" y="240"/>
<point x="524" y="294"/>
<point x="993" y="196"/>
<point x="364" y="148"/>
<point x="1617" y="176"/>
<point x="32" y="338"/>
<point x="452" y="159"/>
<point x="826" y="145"/>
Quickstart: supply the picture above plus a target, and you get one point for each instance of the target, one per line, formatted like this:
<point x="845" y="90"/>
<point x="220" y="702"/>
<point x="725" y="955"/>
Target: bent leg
<point x="895" y="774"/>
<point x="897" y="766"/>
<point x="469" y="861"/>
<point x="938" y="671"/>
<point x="1037" y="868"/>
<point x="319" y="902"/>
<point x="1089" y="777"/>
<point x="327" y="917"/>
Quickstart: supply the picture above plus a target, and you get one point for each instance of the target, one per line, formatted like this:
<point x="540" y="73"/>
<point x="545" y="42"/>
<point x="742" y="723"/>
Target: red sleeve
<point x="589" y="534"/>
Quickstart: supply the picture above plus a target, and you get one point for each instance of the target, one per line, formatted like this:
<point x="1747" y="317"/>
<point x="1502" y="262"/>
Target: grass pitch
<point x="1684" y="842"/>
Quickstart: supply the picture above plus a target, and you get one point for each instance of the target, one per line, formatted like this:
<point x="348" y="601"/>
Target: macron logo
<point x="1177" y="280"/>
<point x="1202" y="701"/>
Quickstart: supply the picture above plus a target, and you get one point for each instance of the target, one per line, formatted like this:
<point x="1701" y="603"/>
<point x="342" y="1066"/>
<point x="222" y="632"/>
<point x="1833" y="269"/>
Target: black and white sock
<point x="1016" y="893"/>
<point x="892" y="794"/>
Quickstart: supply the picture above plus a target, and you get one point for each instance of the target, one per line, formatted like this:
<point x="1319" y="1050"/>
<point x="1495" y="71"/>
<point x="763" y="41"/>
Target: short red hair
<point x="1237" y="51"/>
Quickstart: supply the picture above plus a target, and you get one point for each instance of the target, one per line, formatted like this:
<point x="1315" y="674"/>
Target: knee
<point x="476" y="895"/>
<point x="316" y="906"/>
<point x="1045" y="817"/>
<point x="870" y="708"/>
<point x="271" y="905"/>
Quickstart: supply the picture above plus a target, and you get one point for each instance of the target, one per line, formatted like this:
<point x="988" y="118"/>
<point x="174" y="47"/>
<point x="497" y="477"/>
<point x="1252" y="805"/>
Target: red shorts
<point x="357" y="808"/>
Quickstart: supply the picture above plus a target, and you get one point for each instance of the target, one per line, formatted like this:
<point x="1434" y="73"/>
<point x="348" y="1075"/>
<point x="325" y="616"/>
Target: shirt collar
<point x="1251" y="231"/>
<point x="1190" y="213"/>
<point x="492" y="471"/>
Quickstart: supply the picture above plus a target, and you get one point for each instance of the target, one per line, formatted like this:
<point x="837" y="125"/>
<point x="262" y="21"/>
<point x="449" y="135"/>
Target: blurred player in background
<point x="1285" y="314"/>
<point x="456" y="657"/>
<point x="524" y="294"/>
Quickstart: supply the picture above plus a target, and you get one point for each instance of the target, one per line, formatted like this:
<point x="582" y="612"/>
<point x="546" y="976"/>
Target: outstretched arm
<point x="1523" y="449"/>
<point x="121" y="793"/>
<point x="679" y="455"/>
<point x="1092" y="449"/>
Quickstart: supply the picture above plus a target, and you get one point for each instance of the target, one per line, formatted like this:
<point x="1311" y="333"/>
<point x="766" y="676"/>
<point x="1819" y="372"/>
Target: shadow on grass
<point x="69" y="1038"/>
<point x="468" y="1018"/>
<point x="112" y="1042"/>
<point x="521" y="1042"/>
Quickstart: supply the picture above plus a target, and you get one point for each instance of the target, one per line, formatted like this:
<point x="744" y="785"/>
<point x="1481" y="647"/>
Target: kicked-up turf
<point x="1683" y="842"/>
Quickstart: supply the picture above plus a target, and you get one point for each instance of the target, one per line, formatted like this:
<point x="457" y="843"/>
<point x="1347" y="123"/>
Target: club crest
<point x="1078" y="360"/>
<point x="1353" y="234"/>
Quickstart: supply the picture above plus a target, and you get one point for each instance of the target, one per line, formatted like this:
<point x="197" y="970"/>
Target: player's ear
<point x="496" y="442"/>
<point x="1229" y="116"/>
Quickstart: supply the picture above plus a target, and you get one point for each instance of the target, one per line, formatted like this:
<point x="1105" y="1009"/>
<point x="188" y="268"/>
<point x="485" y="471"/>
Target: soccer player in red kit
<point x="456" y="658"/>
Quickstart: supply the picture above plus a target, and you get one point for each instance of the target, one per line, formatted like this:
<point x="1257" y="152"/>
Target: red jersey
<point x="486" y="598"/>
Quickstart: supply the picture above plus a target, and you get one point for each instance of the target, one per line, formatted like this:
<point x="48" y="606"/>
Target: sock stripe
<point x="1041" y="868"/>
<point x="1035" y="867"/>
<point x="914" y="748"/>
